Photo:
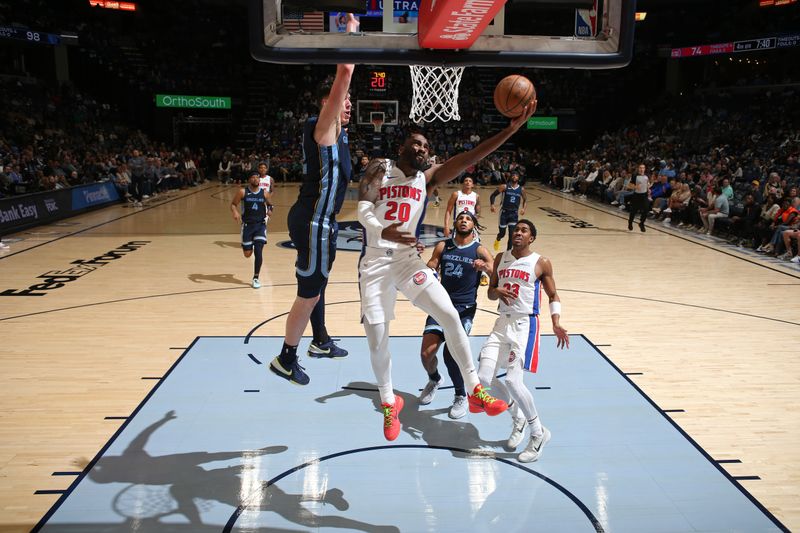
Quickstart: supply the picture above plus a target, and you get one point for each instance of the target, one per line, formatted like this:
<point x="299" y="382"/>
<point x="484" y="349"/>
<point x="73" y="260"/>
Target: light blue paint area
<point x="314" y="458"/>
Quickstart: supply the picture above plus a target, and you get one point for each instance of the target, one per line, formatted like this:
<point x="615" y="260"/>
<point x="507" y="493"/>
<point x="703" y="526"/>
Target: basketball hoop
<point x="435" y="93"/>
<point x="377" y="122"/>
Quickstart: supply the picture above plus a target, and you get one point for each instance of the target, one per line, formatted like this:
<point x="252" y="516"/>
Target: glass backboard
<point x="519" y="35"/>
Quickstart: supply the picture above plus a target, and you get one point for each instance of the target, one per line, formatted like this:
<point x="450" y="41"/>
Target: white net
<point x="435" y="93"/>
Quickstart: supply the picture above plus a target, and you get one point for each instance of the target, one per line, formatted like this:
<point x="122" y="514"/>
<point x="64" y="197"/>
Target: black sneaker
<point x="327" y="350"/>
<point x="294" y="374"/>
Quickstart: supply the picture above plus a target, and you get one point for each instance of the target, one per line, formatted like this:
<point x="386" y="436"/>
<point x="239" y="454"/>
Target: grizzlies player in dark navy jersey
<point x="459" y="261"/>
<point x="253" y="218"/>
<point x="513" y="205"/>
<point x="312" y="221"/>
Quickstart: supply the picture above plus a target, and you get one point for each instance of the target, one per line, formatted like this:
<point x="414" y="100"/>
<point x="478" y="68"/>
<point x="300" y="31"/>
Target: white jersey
<point x="519" y="276"/>
<point x="400" y="199"/>
<point x="465" y="202"/>
<point x="266" y="183"/>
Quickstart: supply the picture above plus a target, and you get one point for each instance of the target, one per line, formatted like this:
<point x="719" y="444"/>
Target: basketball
<point x="512" y="94"/>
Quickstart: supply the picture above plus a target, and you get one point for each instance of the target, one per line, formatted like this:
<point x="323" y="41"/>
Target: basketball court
<point x="143" y="383"/>
<point x="137" y="398"/>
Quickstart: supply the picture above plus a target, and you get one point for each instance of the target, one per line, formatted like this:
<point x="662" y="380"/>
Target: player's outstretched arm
<point x="326" y="132"/>
<point x="457" y="164"/>
<point x="497" y="191"/>
<point x="235" y="206"/>
<point x="485" y="261"/>
<point x="495" y="292"/>
<point x="448" y="213"/>
<point x="549" y="286"/>
<point x="524" y="201"/>
<point x="436" y="257"/>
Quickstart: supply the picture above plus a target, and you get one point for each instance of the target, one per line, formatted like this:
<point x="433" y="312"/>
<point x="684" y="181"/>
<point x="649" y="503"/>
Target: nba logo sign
<point x="420" y="277"/>
<point x="586" y="22"/>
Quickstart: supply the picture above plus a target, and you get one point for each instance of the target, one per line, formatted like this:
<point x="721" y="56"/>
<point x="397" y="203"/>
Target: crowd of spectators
<point x="54" y="138"/>
<point x="724" y="165"/>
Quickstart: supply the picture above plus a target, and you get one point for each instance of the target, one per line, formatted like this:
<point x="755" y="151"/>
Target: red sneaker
<point x="480" y="401"/>
<point x="391" y="422"/>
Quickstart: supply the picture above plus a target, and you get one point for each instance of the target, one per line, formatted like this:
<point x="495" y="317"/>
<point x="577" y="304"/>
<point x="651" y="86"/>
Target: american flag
<point x="294" y="20"/>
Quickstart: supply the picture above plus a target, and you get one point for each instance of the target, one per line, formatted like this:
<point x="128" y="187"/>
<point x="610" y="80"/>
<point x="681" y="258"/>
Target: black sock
<point x="454" y="372"/>
<point x="288" y="355"/>
<point x="259" y="253"/>
<point x="435" y="376"/>
<point x="317" y="319"/>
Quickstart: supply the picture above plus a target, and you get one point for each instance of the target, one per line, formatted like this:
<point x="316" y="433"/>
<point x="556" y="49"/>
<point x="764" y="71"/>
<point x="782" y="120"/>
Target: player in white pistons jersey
<point x="391" y="208"/>
<point x="464" y="200"/>
<point x="266" y="183"/>
<point x="518" y="278"/>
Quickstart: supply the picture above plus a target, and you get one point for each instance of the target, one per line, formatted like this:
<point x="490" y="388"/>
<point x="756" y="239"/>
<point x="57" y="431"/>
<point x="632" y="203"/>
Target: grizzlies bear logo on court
<point x="349" y="237"/>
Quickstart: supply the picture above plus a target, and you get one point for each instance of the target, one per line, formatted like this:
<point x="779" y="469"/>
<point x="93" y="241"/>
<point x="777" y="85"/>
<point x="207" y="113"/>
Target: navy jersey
<point x="254" y="206"/>
<point x="459" y="276"/>
<point x="326" y="172"/>
<point x="512" y="198"/>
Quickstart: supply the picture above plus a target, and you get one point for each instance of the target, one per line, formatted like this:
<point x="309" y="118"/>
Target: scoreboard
<point x="749" y="45"/>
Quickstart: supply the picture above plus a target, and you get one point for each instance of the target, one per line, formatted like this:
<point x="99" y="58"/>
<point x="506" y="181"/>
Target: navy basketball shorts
<point x="252" y="233"/>
<point x="508" y="217"/>
<point x="467" y="316"/>
<point x="315" y="242"/>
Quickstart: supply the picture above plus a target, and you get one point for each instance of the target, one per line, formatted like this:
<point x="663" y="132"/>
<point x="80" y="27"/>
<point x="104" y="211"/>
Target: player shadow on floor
<point x="228" y="244"/>
<point x="424" y="424"/>
<point x="217" y="278"/>
<point x="165" y="485"/>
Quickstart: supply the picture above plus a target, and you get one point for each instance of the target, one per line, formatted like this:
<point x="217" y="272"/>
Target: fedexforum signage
<point x="55" y="279"/>
<point x="193" y="102"/>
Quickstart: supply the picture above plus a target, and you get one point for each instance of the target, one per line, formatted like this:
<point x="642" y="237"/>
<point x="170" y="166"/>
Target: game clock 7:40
<point x="378" y="81"/>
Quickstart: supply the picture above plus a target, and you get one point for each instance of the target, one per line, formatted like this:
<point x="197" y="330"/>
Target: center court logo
<point x="349" y="238"/>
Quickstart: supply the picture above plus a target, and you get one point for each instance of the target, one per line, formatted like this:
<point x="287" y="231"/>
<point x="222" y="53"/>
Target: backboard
<point x="518" y="36"/>
<point x="367" y="110"/>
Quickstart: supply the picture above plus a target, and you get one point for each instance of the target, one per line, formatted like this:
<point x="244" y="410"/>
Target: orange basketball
<point x="512" y="94"/>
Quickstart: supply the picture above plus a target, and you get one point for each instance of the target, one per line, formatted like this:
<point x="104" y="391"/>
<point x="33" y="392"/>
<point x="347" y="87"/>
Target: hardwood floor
<point x="705" y="329"/>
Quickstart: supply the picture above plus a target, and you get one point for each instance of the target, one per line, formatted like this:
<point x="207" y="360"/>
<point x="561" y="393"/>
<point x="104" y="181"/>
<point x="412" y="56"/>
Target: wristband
<point x="555" y="308"/>
<point x="366" y="215"/>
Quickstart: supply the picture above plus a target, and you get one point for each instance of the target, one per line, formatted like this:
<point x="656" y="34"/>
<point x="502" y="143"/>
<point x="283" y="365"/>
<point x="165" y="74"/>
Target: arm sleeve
<point x="367" y="218"/>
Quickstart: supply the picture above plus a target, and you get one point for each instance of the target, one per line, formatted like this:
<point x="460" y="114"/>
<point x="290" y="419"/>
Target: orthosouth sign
<point x="193" y="102"/>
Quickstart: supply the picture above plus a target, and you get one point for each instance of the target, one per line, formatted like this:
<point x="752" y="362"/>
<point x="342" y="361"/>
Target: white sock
<point x="378" y="340"/>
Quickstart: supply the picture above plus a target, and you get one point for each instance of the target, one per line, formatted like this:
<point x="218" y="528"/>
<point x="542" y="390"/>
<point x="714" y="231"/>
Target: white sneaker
<point x="615" y="202"/>
<point x="459" y="408"/>
<point x="427" y="394"/>
<point x="667" y="210"/>
<point x="145" y="197"/>
<point x="667" y="221"/>
<point x="795" y="259"/>
<point x="256" y="283"/>
<point x="517" y="432"/>
<point x="4" y="246"/>
<point x="621" y="206"/>
<point x="534" y="448"/>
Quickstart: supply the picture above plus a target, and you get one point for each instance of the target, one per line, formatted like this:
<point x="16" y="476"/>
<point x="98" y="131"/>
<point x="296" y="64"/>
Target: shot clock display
<point x="378" y="82"/>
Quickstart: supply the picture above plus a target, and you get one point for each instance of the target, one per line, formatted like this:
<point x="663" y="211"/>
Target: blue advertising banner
<point x="24" y="211"/>
<point x="85" y="196"/>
